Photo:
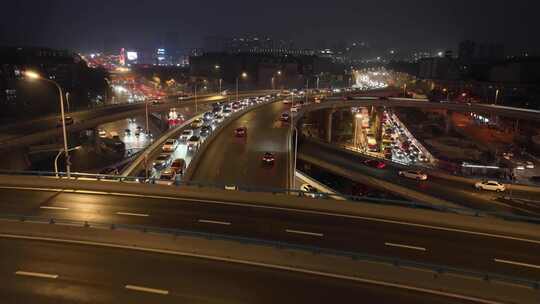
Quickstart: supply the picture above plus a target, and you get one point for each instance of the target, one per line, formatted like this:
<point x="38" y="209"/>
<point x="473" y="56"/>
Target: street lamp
<point x="58" y="155"/>
<point x="243" y="75"/>
<point x="36" y="76"/>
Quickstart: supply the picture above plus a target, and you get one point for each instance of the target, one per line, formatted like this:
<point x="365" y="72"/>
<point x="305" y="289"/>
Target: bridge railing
<point x="438" y="270"/>
<point x="339" y="198"/>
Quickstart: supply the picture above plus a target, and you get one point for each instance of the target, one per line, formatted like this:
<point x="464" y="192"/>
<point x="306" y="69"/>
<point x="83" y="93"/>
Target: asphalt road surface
<point x="85" y="274"/>
<point x="232" y="160"/>
<point x="452" y="191"/>
<point x="410" y="242"/>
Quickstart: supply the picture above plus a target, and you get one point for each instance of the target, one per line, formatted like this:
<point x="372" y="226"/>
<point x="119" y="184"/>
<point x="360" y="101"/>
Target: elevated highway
<point x="44" y="129"/>
<point x="407" y="233"/>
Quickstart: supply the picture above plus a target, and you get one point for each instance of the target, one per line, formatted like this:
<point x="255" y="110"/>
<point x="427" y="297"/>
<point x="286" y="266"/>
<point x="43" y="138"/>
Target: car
<point x="375" y="163"/>
<point x="197" y="123"/>
<point x="309" y="191"/>
<point x="170" y="145"/>
<point x="183" y="96"/>
<point x="179" y="166"/>
<point x="194" y="143"/>
<point x="508" y="155"/>
<point x="268" y="158"/>
<point x="490" y="186"/>
<point x="167" y="177"/>
<point x="227" y="112"/>
<point x="186" y="134"/>
<point x="294" y="109"/>
<point x="69" y="121"/>
<point x="529" y="165"/>
<point x="102" y="133"/>
<point x="287" y="101"/>
<point x="240" y="132"/>
<point x="205" y="131"/>
<point x="162" y="161"/>
<point x="417" y="175"/>
<point x="520" y="166"/>
<point x="109" y="171"/>
<point x="216" y="108"/>
<point x="422" y="158"/>
<point x="284" y="116"/>
<point x="208" y="116"/>
<point x="236" y="106"/>
<point x="218" y="118"/>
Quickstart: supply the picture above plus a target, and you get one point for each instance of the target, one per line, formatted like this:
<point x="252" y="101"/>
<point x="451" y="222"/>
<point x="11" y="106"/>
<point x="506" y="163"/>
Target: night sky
<point x="416" y="24"/>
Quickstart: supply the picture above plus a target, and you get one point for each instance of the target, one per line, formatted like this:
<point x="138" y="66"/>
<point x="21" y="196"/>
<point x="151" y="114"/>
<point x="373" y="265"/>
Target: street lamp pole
<point x="237" y="87"/>
<point x="58" y="156"/>
<point x="67" y="101"/>
<point x="496" y="96"/>
<point x="243" y="75"/>
<point x="35" y="75"/>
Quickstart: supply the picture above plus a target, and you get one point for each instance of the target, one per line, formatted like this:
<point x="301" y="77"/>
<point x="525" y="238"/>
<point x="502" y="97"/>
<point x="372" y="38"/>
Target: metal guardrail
<point x="438" y="270"/>
<point x="285" y="192"/>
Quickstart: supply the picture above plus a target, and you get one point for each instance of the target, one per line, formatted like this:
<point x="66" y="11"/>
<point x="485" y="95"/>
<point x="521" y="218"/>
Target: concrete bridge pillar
<point x="328" y="125"/>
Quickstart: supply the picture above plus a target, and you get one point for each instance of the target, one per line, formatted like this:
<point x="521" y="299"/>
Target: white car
<point x="193" y="143"/>
<point x="417" y="175"/>
<point x="529" y="165"/>
<point x="520" y="166"/>
<point x="490" y="186"/>
<point x="186" y="134"/>
<point x="170" y="145"/>
<point x="294" y="109"/>
<point x="286" y="101"/>
<point x="167" y="177"/>
<point x="311" y="191"/>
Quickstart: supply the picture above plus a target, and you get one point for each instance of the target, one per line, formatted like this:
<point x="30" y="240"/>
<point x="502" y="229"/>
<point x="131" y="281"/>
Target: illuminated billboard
<point x="132" y="56"/>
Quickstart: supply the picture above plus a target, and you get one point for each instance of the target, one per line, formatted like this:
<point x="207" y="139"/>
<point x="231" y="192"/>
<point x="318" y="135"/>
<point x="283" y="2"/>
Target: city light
<point x="32" y="75"/>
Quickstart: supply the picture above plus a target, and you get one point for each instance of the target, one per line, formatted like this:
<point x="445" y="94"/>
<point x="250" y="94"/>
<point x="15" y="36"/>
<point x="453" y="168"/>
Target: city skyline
<point x="95" y="26"/>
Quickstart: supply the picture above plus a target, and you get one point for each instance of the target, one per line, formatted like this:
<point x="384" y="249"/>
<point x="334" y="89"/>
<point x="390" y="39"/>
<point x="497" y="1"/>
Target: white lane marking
<point x="517" y="263"/>
<point x="405" y="246"/>
<point x="36" y="274"/>
<point x="53" y="208"/>
<point x="357" y="217"/>
<point x="132" y="214"/>
<point x="304" y="232"/>
<point x="215" y="222"/>
<point x="259" y="264"/>
<point x="147" y="289"/>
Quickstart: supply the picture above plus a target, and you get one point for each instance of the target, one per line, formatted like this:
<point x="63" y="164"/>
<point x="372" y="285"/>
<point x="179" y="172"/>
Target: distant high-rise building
<point x="470" y="51"/>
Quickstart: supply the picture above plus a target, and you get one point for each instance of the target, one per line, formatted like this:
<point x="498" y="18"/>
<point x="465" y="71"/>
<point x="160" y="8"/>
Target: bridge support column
<point x="329" y="124"/>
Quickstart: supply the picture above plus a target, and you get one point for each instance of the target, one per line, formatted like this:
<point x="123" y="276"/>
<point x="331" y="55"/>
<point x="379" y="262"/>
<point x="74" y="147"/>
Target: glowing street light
<point x="243" y="75"/>
<point x="35" y="76"/>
